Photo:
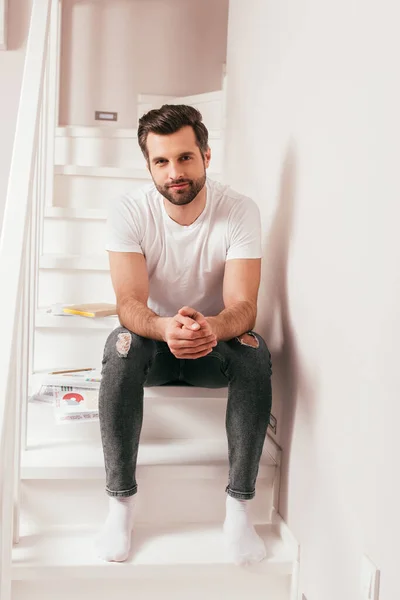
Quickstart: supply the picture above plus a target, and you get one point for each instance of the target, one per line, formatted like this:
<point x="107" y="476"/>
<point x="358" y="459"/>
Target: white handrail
<point x="13" y="256"/>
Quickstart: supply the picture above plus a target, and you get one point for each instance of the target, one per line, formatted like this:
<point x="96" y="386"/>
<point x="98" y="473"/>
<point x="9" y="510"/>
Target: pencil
<point x="71" y="371"/>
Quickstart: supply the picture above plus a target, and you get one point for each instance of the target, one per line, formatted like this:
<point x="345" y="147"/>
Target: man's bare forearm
<point x="139" y="319"/>
<point x="234" y="321"/>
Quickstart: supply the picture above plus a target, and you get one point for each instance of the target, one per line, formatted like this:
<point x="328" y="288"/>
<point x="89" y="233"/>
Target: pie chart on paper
<point x="73" y="398"/>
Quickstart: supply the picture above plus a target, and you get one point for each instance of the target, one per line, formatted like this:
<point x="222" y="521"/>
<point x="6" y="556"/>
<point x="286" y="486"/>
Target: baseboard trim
<point x="273" y="449"/>
<point x="292" y="543"/>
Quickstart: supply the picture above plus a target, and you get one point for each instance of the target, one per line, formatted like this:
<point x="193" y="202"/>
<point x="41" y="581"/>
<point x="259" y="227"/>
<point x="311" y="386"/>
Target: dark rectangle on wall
<point x="102" y="115"/>
<point x="273" y="423"/>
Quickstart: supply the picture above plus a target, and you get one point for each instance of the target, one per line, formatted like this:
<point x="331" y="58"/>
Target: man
<point x="185" y="258"/>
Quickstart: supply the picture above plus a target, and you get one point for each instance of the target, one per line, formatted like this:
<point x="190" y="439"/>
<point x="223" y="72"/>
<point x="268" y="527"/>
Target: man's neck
<point x="187" y="214"/>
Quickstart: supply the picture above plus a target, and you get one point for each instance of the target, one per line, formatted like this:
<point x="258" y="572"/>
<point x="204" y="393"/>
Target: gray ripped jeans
<point x="131" y="362"/>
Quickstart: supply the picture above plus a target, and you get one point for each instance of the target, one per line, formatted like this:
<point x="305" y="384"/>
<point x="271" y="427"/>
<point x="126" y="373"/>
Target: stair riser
<point x="241" y="585"/>
<point x="172" y="418"/>
<point x="71" y="287"/>
<point x="79" y="191"/>
<point x="61" y="348"/>
<point x="118" y="152"/>
<point x="168" y="501"/>
<point x="82" y="237"/>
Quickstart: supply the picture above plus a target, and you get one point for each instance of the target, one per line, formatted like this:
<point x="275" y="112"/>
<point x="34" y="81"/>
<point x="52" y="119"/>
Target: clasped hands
<point x="189" y="334"/>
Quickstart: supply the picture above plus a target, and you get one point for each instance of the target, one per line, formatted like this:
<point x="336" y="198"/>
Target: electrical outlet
<point x="370" y="577"/>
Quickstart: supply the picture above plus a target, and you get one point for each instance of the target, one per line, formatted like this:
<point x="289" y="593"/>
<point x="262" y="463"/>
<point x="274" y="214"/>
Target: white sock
<point x="243" y="544"/>
<point x="114" y="540"/>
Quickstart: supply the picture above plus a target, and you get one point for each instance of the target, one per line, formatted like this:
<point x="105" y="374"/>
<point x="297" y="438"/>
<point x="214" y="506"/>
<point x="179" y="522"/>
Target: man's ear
<point x="207" y="156"/>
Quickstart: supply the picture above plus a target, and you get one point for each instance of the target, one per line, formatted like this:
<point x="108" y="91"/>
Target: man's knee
<point x="262" y="354"/>
<point x="249" y="339"/>
<point x="122" y="343"/>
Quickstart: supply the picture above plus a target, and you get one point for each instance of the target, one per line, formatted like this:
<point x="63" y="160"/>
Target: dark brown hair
<point x="169" y="119"/>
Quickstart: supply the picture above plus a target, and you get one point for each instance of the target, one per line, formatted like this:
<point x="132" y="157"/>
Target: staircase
<point x="52" y="476"/>
<point x="177" y="544"/>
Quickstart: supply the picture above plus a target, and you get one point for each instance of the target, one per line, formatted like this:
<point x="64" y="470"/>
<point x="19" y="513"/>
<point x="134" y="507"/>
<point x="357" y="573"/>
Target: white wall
<point x="313" y="133"/>
<point x="113" y="51"/>
<point x="11" y="66"/>
<point x="152" y="46"/>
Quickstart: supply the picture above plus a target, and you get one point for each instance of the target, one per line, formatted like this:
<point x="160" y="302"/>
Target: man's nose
<point x="175" y="170"/>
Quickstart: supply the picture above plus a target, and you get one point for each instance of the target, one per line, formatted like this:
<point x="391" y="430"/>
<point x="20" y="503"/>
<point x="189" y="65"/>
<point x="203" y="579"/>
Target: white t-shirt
<point x="185" y="263"/>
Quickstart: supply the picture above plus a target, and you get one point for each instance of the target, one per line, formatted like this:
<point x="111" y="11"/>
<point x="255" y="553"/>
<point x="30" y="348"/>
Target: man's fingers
<point x="194" y="355"/>
<point x="187" y="322"/>
<point x="195" y="343"/>
<point x="190" y="324"/>
<point x="188" y="311"/>
<point x="194" y="350"/>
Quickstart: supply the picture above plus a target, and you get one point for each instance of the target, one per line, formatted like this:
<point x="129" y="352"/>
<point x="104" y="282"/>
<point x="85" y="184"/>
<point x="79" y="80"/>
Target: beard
<point x="186" y="195"/>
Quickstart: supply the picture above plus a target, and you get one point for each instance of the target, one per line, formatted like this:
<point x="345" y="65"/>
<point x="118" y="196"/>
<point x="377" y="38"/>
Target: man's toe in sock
<point x="244" y="548"/>
<point x="113" y="548"/>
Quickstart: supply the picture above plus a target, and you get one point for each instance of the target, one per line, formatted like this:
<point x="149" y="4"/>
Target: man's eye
<point x="160" y="161"/>
<point x="186" y="157"/>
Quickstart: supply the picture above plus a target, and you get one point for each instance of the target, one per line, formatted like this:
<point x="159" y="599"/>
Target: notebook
<point x="91" y="310"/>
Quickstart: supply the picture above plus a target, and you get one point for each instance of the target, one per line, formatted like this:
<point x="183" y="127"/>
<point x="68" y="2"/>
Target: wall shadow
<point x="19" y="14"/>
<point x="92" y="58"/>
<point x="290" y="380"/>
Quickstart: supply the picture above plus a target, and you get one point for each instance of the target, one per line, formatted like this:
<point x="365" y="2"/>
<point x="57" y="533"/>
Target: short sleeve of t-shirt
<point x="124" y="226"/>
<point x="244" y="231"/>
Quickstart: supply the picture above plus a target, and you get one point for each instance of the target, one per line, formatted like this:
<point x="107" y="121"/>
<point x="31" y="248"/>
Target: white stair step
<point x="72" y="287"/>
<point x="78" y="131"/>
<point x="99" y="147"/>
<point x="178" y="482"/>
<point x="164" y="498"/>
<point x="79" y="236"/>
<point x="57" y="212"/>
<point x="94" y="187"/>
<point x="55" y="347"/>
<point x="168" y="392"/>
<point x="240" y="584"/>
<point x="87" y="187"/>
<point x="170" y="412"/>
<point x="44" y="320"/>
<point x="110" y="172"/>
<point x="66" y="459"/>
<point x="116" y="148"/>
<point x="167" y="414"/>
<point x="74" y="261"/>
<point x="158" y="553"/>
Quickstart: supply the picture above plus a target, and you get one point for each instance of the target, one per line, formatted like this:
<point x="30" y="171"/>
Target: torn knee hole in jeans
<point x="249" y="339"/>
<point x="123" y="344"/>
